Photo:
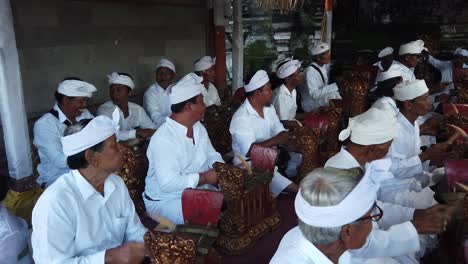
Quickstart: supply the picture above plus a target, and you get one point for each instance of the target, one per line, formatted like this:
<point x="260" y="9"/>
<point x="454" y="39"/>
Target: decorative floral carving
<point x="170" y="248"/>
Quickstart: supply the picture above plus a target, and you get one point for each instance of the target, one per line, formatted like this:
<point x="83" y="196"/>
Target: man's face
<point x="119" y="93"/>
<point x="266" y="94"/>
<point x="297" y="78"/>
<point x="412" y="60"/>
<point x="324" y="58"/>
<point x="198" y="108"/>
<point x="209" y="74"/>
<point x="387" y="61"/>
<point x="110" y="158"/>
<point x="164" y="76"/>
<point x="74" y="106"/>
<point x="421" y="105"/>
<point x="379" y="151"/>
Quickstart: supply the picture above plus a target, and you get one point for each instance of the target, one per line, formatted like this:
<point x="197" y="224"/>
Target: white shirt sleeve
<point x="401" y="239"/>
<point x="277" y="125"/>
<point x="135" y="231"/>
<point x="212" y="155"/>
<point x="394" y="214"/>
<point x="281" y="109"/>
<point x="217" y="99"/>
<point x="144" y="120"/>
<point x="53" y="236"/>
<point x="47" y="141"/>
<point x="153" y="106"/>
<point x="436" y="63"/>
<point x="169" y="172"/>
<point x="242" y="135"/>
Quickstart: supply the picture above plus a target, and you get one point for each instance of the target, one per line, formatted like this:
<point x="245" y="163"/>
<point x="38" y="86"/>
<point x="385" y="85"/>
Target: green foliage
<point x="258" y="56"/>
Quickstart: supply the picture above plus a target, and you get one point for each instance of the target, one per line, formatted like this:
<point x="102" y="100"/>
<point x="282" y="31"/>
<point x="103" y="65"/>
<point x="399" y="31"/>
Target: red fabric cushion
<point x="201" y="207"/>
<point x="263" y="159"/>
<point x="456" y="171"/>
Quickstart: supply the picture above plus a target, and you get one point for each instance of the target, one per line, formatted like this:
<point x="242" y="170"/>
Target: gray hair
<point x="75" y="128"/>
<point x="326" y="187"/>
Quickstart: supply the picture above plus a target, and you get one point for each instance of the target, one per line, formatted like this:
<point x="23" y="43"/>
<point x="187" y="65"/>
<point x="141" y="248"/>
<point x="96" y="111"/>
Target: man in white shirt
<point x="70" y="107"/>
<point x="316" y="92"/>
<point x="370" y="135"/>
<point x="134" y="122"/>
<point x="386" y="59"/>
<point x="156" y="99"/>
<point x="205" y="67"/>
<point x="87" y="215"/>
<point x="14" y="234"/>
<point x="409" y="187"/>
<point x="335" y="210"/>
<point x="409" y="57"/>
<point x="180" y="153"/>
<point x="386" y="80"/>
<point x="256" y="122"/>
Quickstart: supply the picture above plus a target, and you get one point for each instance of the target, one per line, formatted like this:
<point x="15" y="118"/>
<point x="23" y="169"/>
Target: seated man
<point x="386" y="59"/>
<point x="336" y="209"/>
<point x="370" y="135"/>
<point x="409" y="187"/>
<point x="316" y="92"/>
<point x="385" y="82"/>
<point x="205" y="67"/>
<point x="134" y="122"/>
<point x="180" y="153"/>
<point x="256" y="122"/>
<point x="409" y="58"/>
<point x="87" y="215"/>
<point x="14" y="234"/>
<point x="70" y="107"/>
<point x="156" y="99"/>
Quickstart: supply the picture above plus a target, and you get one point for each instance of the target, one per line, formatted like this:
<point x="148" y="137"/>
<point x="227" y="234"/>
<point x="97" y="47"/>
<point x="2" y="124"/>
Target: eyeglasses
<point x="373" y="217"/>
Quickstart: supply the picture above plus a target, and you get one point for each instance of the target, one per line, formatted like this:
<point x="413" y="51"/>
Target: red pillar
<point x="220" y="53"/>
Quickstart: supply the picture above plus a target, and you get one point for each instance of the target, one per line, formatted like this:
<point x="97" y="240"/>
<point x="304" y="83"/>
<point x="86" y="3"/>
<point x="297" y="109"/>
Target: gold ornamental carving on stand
<point x="306" y="140"/>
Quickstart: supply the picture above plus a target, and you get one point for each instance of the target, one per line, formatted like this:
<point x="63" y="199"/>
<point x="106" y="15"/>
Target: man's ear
<point x="346" y="234"/>
<point x="90" y="158"/>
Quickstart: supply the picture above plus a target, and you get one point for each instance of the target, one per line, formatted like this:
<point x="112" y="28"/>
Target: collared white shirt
<point x="387" y="104"/>
<point x="394" y="235"/>
<point x="211" y="96"/>
<point x="407" y="74"/>
<point x="137" y="118"/>
<point x="14" y="239"/>
<point x="175" y="161"/>
<point x="294" y="248"/>
<point x="285" y="103"/>
<point x="316" y="92"/>
<point x="248" y="127"/>
<point x="47" y="132"/>
<point x="157" y="104"/>
<point x="74" y="223"/>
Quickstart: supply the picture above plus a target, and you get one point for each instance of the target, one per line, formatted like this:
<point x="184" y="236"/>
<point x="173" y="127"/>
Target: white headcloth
<point x="373" y="127"/>
<point x="392" y="72"/>
<point x="75" y="88"/>
<point x="96" y="131"/>
<point x="259" y="79"/>
<point x="163" y="62"/>
<point x="319" y="48"/>
<point x="204" y="63"/>
<point x="409" y="90"/>
<point x="189" y="86"/>
<point x="413" y="47"/>
<point x="116" y="78"/>
<point x="385" y="52"/>
<point x="288" y="68"/>
<point x="355" y="205"/>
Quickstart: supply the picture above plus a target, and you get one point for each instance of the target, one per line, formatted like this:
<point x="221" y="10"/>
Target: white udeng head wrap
<point x="259" y="79"/>
<point x="204" y="63"/>
<point x="409" y="90"/>
<point x="166" y="63"/>
<point x="288" y="68"/>
<point x="461" y="52"/>
<point x="357" y="203"/>
<point x="392" y="72"/>
<point x="97" y="130"/>
<point x="189" y="86"/>
<point x="319" y="48"/>
<point x="385" y="52"/>
<point x="413" y="47"/>
<point x="75" y="88"/>
<point x="116" y="78"/>
<point x="373" y="127"/>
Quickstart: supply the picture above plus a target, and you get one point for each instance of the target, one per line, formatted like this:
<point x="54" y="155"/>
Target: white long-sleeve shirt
<point x="175" y="161"/>
<point x="285" y="103"/>
<point x="47" y="132"/>
<point x="316" y="92"/>
<point x="294" y="248"/>
<point x="14" y="239"/>
<point x="137" y="118"/>
<point x="157" y="104"/>
<point x="211" y="96"/>
<point x="407" y="74"/>
<point x="394" y="235"/>
<point x="74" y="223"/>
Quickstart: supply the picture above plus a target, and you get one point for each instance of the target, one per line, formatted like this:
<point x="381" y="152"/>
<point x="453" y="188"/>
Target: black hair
<point x="58" y="96"/>
<point x="385" y="88"/>
<point x="177" y="108"/>
<point x="3" y="186"/>
<point x="399" y="104"/>
<point x="78" y="160"/>
<point x="126" y="74"/>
